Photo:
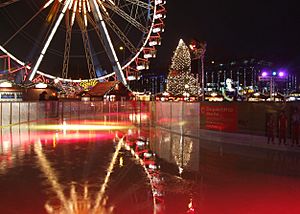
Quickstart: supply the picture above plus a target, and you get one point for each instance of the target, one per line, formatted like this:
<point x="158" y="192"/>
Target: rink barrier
<point x="180" y="117"/>
<point x="15" y="113"/>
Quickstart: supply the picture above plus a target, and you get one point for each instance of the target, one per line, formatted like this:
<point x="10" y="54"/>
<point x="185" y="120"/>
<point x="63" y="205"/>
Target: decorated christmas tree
<point x="180" y="79"/>
<point x="181" y="60"/>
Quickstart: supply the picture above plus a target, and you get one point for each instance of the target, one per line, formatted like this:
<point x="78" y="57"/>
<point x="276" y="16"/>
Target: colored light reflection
<point x="138" y="117"/>
<point x="152" y="171"/>
<point x="76" y="203"/>
<point x="101" y="193"/>
<point x="99" y="122"/>
<point x="72" y="137"/>
<point x="71" y="198"/>
<point x="80" y="127"/>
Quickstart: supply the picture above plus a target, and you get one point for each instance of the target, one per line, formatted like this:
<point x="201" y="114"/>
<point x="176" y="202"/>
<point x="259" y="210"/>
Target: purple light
<point x="281" y="74"/>
<point x="264" y="74"/>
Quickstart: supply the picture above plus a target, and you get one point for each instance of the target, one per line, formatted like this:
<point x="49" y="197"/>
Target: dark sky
<point x="234" y="29"/>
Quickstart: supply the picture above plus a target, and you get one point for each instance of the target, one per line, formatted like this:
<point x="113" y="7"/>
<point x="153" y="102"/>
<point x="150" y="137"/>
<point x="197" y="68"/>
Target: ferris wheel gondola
<point x="104" y="26"/>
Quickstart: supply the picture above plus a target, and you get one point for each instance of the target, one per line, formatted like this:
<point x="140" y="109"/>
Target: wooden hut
<point x="111" y="91"/>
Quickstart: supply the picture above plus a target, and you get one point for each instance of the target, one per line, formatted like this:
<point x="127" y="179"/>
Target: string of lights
<point x="180" y="80"/>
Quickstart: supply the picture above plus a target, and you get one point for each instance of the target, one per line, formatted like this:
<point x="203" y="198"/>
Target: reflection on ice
<point x="74" y="197"/>
<point x="181" y="151"/>
<point x="140" y="149"/>
<point x="224" y="177"/>
<point x="94" y="166"/>
<point x="76" y="204"/>
<point x="80" y="127"/>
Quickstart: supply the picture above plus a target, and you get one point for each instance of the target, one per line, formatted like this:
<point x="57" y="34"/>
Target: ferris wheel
<point x="6" y="3"/>
<point x="57" y="38"/>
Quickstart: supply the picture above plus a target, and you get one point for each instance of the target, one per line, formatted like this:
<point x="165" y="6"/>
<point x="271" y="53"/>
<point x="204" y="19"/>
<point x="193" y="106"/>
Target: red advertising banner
<point x="219" y="117"/>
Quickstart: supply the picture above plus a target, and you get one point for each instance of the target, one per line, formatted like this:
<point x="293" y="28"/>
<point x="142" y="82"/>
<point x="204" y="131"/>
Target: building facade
<point x="245" y="74"/>
<point x="154" y="83"/>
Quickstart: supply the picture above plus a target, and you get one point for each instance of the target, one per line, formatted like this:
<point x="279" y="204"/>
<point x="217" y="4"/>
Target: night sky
<point x="265" y="29"/>
<point x="261" y="29"/>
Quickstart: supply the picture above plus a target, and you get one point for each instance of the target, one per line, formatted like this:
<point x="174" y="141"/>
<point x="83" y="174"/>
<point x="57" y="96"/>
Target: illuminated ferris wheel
<point x="111" y="38"/>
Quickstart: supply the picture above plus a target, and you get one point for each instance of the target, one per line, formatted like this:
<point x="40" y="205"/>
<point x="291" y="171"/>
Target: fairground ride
<point x="98" y="39"/>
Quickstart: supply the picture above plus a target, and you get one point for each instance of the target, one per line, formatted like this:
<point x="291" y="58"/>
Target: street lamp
<point x="272" y="77"/>
<point x="199" y="49"/>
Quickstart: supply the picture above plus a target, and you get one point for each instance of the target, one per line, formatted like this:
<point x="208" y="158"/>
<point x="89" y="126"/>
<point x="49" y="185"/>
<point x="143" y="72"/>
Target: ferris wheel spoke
<point x="120" y="20"/>
<point x="54" y="29"/>
<point x="109" y="170"/>
<point x="140" y="4"/>
<point x="46" y="168"/>
<point x="96" y="28"/>
<point x="108" y="46"/>
<point x="23" y="26"/>
<point x="120" y="34"/>
<point x="116" y="29"/>
<point x="65" y="69"/>
<point x="87" y="47"/>
<point x="4" y="4"/>
<point x="127" y="17"/>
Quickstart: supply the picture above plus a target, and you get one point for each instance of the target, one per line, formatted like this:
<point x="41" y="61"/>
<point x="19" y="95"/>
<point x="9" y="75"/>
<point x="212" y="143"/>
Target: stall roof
<point x="104" y="88"/>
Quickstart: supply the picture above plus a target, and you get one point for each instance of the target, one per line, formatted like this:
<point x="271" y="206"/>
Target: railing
<point x="12" y="113"/>
<point x="260" y="124"/>
<point x="136" y="112"/>
<point x="179" y="117"/>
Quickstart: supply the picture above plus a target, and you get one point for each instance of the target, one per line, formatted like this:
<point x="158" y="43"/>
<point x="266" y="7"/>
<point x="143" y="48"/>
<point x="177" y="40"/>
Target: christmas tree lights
<point x="181" y="81"/>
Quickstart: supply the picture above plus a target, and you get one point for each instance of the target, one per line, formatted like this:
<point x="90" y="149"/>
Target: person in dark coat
<point x="271" y="128"/>
<point x="42" y="96"/>
<point x="295" y="125"/>
<point x="282" y="127"/>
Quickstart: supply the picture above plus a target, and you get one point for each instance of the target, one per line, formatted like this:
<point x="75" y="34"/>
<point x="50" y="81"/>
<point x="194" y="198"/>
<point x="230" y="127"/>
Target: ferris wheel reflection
<point x="76" y="203"/>
<point x="81" y="197"/>
<point x="82" y="202"/>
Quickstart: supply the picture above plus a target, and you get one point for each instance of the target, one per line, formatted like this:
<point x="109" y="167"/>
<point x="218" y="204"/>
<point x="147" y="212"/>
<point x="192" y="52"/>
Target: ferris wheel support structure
<point x="86" y="44"/>
<point x="87" y="47"/>
<point x="65" y="68"/>
<point x="54" y="29"/>
<point x="137" y="19"/>
<point x="105" y="39"/>
<point x="107" y="42"/>
<point x="4" y="4"/>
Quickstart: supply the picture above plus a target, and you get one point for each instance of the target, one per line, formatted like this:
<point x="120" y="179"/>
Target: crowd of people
<point x="282" y="126"/>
